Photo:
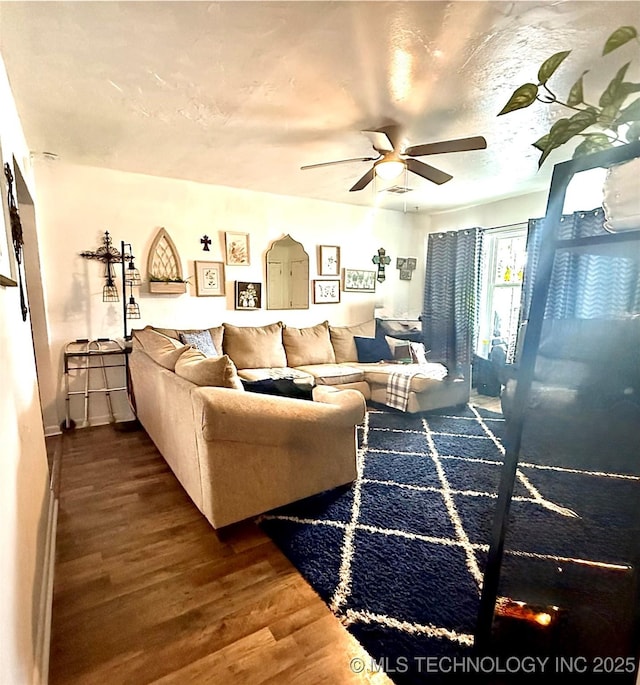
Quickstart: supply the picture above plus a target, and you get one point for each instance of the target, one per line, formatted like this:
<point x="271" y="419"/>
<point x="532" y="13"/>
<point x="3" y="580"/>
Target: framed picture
<point x="209" y="279"/>
<point x="401" y="262"/>
<point x="405" y="274"/>
<point x="7" y="265"/>
<point x="357" y="280"/>
<point x="329" y="260"/>
<point x="326" y="292"/>
<point x="412" y="262"/>
<point x="248" y="295"/>
<point x="236" y="248"/>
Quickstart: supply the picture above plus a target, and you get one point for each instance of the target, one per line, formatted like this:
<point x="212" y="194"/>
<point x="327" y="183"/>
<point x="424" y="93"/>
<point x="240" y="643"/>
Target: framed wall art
<point x="406" y="274"/>
<point x="326" y="292"/>
<point x="329" y="260"/>
<point x="248" y="295"/>
<point x="359" y="280"/>
<point x="7" y="265"/>
<point x="236" y="248"/>
<point x="209" y="279"/>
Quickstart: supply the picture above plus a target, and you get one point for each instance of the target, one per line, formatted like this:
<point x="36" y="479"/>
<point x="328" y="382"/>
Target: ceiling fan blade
<point x="384" y="139"/>
<point x="459" y="145"/>
<point x="340" y="161"/>
<point x="364" y="181"/>
<point x="430" y="173"/>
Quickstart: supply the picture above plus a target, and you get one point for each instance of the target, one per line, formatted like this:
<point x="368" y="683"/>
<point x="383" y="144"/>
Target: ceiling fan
<point x="391" y="161"/>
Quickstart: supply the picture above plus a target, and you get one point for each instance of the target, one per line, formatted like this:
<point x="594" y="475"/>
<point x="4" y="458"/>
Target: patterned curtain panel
<point x="583" y="286"/>
<point x="452" y="286"/>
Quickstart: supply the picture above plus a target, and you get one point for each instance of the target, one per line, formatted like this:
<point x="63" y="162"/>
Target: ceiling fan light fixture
<point x="389" y="169"/>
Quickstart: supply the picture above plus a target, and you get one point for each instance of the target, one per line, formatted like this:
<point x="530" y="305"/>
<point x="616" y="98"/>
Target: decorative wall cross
<point x="206" y="241"/>
<point x="108" y="255"/>
<point x="381" y="260"/>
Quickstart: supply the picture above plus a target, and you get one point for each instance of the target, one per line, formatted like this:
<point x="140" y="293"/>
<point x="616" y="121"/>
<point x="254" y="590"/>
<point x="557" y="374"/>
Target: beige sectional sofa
<point x="237" y="453"/>
<point x="327" y="355"/>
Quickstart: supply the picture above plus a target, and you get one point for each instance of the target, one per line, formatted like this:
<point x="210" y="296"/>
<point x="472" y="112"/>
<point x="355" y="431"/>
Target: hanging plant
<point x="600" y="126"/>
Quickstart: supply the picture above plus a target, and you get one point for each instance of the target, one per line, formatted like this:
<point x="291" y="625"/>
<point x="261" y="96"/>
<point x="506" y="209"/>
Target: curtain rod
<point x="495" y="228"/>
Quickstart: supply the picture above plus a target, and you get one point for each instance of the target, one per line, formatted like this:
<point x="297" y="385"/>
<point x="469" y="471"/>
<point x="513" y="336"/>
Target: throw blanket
<point x="399" y="383"/>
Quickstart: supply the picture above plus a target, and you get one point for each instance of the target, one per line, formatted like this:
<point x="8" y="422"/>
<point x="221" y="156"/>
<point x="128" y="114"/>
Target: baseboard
<point x="104" y="420"/>
<point x="43" y="629"/>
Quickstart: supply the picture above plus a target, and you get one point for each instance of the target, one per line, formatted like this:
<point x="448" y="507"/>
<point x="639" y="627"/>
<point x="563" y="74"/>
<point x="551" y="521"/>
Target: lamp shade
<point x="133" y="309"/>
<point x="110" y="292"/>
<point x="388" y="169"/>
<point x="132" y="275"/>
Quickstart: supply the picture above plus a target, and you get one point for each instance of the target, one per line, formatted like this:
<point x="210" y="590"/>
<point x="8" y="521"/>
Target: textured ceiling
<point x="242" y="94"/>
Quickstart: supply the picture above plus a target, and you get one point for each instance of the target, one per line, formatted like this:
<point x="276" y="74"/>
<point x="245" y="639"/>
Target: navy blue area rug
<point x="399" y="555"/>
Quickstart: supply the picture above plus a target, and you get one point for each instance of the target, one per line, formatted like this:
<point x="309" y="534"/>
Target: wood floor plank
<point x="146" y="591"/>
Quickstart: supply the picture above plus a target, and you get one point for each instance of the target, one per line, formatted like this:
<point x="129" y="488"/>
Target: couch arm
<point x="237" y="416"/>
<point x="351" y="402"/>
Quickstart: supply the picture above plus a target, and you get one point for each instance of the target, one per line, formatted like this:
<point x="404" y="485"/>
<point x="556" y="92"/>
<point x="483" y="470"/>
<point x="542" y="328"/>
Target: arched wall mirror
<point x="287" y="275"/>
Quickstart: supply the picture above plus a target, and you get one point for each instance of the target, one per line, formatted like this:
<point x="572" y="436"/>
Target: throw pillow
<point x="219" y="372"/>
<point x="342" y="341"/>
<point x="254" y="347"/>
<point x="201" y="340"/>
<point x="418" y="353"/>
<point x="162" y="349"/>
<point x="400" y="349"/>
<point x="308" y="345"/>
<point x="372" y="349"/>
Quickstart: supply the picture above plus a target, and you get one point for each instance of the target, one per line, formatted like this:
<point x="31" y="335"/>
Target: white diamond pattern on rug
<point x="409" y="539"/>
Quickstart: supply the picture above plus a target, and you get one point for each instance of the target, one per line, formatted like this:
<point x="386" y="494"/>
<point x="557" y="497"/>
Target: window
<point x="504" y="259"/>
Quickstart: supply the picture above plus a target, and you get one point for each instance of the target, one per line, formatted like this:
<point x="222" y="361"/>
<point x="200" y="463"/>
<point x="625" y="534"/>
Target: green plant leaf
<point x="550" y="65"/>
<point x="563" y="130"/>
<point x="541" y="143"/>
<point x="627" y="88"/>
<point x="633" y="132"/>
<point x="614" y="91"/>
<point x="592" y="143"/>
<point x="630" y="113"/>
<point x="521" y="97"/>
<point x="619" y="37"/>
<point x="576" y="94"/>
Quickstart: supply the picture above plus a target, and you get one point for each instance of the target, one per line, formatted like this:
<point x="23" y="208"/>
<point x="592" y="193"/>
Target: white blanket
<point x="399" y="383"/>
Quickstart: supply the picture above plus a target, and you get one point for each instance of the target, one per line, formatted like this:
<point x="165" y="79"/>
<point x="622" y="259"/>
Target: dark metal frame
<point x="562" y="175"/>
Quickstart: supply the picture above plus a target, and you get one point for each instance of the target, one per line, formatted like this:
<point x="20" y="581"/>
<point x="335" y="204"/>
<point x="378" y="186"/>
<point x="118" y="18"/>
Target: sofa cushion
<point x="216" y="334"/>
<point x="254" y="347"/>
<point x="308" y="345"/>
<point x="343" y="343"/>
<point x="202" y="341"/>
<point x="162" y="349"/>
<point x="274" y="374"/>
<point x="333" y="374"/>
<point x="427" y="375"/>
<point x="372" y="349"/>
<point x="219" y="372"/>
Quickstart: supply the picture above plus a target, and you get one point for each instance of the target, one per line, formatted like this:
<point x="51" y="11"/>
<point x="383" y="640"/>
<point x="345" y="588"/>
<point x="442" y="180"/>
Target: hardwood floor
<point x="147" y="592"/>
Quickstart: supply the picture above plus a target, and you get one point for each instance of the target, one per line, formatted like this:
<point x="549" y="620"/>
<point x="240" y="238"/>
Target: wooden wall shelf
<point x="167" y="288"/>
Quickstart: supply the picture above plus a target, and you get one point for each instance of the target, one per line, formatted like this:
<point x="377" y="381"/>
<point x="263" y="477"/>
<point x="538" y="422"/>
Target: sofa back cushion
<point x="254" y="347"/>
<point x="219" y="372"/>
<point x="162" y="349"/>
<point x="342" y="339"/>
<point x="308" y="345"/>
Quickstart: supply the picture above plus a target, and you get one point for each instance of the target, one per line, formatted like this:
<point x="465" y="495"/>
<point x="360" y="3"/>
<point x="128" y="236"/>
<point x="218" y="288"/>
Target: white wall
<point x="24" y="493"/>
<point x="500" y="213"/>
<point x="77" y="204"/>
